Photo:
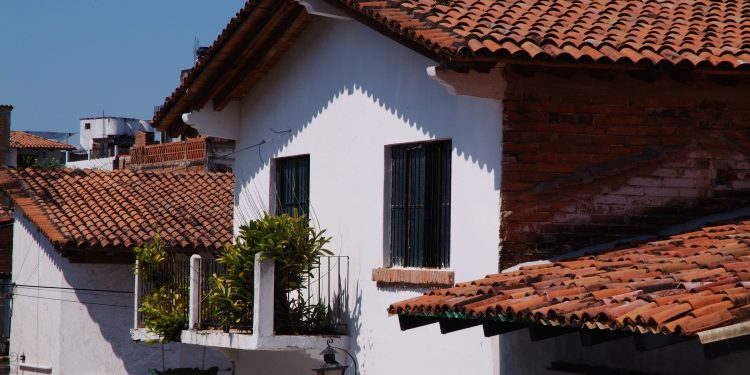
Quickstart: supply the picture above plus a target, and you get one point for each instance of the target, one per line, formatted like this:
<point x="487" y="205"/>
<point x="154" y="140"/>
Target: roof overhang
<point x="253" y="42"/>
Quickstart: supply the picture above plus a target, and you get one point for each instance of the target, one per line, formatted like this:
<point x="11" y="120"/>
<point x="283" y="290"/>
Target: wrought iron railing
<point x="209" y="315"/>
<point x="174" y="275"/>
<point x="328" y="287"/>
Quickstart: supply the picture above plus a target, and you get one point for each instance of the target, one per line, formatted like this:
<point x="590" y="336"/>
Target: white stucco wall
<point x="347" y="93"/>
<point x="76" y="331"/>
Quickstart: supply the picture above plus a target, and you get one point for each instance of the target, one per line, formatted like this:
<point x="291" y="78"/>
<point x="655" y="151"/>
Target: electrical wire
<point x="81" y="302"/>
<point x="71" y="289"/>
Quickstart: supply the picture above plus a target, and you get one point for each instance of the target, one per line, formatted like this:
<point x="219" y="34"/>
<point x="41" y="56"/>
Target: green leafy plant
<point x="165" y="308"/>
<point x="296" y="248"/>
<point x="231" y="294"/>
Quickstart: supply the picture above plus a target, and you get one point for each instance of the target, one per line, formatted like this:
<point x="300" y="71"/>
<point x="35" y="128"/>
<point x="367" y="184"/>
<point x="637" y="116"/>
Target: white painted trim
<point x="320" y="8"/>
<point x="473" y="84"/>
<point x="195" y="291"/>
<point x="263" y="298"/>
<point x="136" y="296"/>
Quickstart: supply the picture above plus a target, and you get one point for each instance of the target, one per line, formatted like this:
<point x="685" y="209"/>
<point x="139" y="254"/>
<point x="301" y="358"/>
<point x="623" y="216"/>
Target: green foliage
<point x="164" y="313"/>
<point x="231" y="294"/>
<point x="296" y="248"/>
<point x="165" y="309"/>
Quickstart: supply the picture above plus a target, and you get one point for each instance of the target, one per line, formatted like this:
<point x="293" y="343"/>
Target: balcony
<point x="326" y="288"/>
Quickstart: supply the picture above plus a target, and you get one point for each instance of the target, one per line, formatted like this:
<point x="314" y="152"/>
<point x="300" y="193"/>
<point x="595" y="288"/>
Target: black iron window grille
<point x="420" y="204"/>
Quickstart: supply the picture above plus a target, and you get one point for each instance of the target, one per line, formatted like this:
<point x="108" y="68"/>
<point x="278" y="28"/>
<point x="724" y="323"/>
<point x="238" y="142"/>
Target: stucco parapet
<point x="244" y="341"/>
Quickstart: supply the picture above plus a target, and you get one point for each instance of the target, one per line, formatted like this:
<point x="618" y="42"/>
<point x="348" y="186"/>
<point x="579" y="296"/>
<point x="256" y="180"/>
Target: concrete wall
<point x="82" y="332"/>
<point x="347" y="93"/>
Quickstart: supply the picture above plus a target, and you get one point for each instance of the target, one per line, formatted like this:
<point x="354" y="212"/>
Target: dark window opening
<point x="293" y="185"/>
<point x="87" y="126"/>
<point x="420" y="204"/>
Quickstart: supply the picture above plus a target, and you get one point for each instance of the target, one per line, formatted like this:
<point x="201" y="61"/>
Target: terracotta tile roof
<point x="23" y="140"/>
<point x="684" y="284"/>
<point x="96" y="209"/>
<point x="691" y="33"/>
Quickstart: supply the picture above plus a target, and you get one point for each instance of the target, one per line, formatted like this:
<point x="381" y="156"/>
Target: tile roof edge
<point x="724" y="333"/>
<point x="690" y="225"/>
<point x="668" y="231"/>
<point x="35" y="214"/>
<point x="227" y="33"/>
<point x="53" y="144"/>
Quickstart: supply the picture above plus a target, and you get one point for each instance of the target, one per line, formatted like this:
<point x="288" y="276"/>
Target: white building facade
<point x="348" y="95"/>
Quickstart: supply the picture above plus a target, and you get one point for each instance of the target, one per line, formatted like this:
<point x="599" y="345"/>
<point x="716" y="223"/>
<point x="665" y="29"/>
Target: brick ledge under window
<point x="413" y="276"/>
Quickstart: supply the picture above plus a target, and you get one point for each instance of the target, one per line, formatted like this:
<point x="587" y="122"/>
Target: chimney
<point x="143" y="139"/>
<point x="5" y="134"/>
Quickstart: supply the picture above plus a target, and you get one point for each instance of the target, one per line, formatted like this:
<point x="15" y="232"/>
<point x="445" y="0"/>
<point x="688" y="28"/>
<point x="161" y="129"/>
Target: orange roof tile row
<point x="122" y="209"/>
<point x="685" y="284"/>
<point x="23" y="140"/>
<point x="692" y="33"/>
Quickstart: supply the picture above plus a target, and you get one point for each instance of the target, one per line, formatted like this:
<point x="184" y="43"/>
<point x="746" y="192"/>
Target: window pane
<point x="420" y="204"/>
<point x="293" y="185"/>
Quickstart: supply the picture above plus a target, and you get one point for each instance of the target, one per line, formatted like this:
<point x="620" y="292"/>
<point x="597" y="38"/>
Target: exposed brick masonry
<point x="588" y="161"/>
<point x="6" y="247"/>
<point x="143" y="139"/>
<point x="4" y="133"/>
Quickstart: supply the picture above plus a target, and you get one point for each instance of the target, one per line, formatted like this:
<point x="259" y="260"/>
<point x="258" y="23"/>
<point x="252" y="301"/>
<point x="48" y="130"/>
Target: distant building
<point x="107" y="136"/>
<point x="28" y="150"/>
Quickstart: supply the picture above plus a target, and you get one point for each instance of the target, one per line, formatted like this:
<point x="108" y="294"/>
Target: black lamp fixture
<point x="330" y="365"/>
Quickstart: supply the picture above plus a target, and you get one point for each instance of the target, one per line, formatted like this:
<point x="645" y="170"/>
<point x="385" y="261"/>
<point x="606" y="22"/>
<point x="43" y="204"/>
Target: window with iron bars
<point x="293" y="185"/>
<point x="420" y="204"/>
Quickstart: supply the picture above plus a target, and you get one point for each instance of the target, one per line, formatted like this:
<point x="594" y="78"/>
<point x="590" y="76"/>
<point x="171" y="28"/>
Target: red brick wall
<point x="4" y="133"/>
<point x="143" y="139"/>
<point x="587" y="161"/>
<point x="6" y="247"/>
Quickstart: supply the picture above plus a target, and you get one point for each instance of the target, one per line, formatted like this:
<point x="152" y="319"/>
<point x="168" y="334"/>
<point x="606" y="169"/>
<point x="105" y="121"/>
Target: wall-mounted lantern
<point x="330" y="365"/>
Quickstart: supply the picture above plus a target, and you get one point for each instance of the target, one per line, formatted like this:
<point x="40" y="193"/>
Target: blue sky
<point x="62" y="60"/>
